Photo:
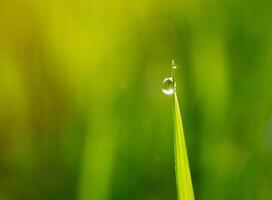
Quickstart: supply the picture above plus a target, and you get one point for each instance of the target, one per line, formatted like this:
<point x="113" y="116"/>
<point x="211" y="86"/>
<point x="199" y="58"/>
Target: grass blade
<point x="183" y="176"/>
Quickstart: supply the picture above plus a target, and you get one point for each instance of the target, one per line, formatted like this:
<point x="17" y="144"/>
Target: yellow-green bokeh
<point x="82" y="115"/>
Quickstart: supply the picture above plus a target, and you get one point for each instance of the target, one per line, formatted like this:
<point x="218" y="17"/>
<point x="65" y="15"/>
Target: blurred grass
<point x="81" y="111"/>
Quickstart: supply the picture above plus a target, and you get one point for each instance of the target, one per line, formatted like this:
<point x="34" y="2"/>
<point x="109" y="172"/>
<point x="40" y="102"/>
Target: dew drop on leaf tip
<point x="168" y="86"/>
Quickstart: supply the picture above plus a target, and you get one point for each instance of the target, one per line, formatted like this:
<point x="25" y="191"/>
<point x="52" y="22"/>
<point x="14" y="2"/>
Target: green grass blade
<point x="183" y="176"/>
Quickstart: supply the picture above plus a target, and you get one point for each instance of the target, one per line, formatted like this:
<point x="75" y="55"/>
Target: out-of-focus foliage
<point x="82" y="115"/>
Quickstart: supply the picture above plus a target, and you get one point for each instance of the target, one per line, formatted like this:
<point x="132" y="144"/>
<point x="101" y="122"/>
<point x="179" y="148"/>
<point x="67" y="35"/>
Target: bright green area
<point x="82" y="115"/>
<point x="183" y="175"/>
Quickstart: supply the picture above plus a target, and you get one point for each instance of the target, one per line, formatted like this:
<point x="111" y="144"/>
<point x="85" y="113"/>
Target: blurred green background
<point x="82" y="115"/>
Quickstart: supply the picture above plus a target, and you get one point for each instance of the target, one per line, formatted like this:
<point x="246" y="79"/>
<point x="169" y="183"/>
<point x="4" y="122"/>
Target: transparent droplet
<point x="174" y="66"/>
<point x="168" y="86"/>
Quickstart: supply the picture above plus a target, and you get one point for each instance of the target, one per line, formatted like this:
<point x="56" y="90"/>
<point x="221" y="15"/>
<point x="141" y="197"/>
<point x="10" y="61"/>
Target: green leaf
<point x="183" y="176"/>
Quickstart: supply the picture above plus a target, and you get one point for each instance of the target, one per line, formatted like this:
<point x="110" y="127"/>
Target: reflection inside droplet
<point x="168" y="86"/>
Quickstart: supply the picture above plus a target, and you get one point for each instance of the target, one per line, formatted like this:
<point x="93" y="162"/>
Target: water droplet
<point x="174" y="66"/>
<point x="168" y="86"/>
